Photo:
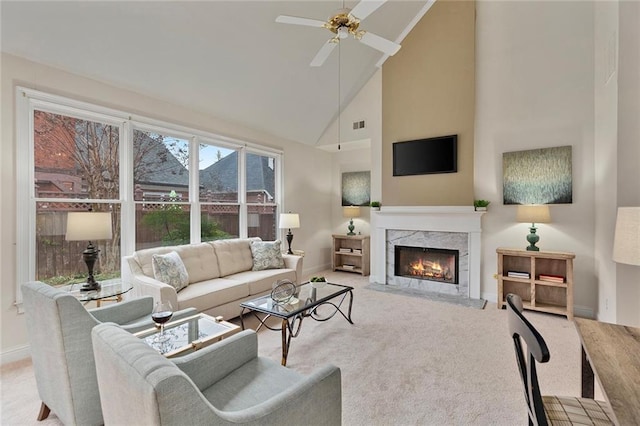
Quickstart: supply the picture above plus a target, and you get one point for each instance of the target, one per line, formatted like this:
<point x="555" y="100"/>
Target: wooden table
<point x="612" y="352"/>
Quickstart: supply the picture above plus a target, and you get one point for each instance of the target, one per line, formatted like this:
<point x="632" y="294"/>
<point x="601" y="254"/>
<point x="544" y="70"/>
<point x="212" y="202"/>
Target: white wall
<point x="366" y="105"/>
<point x="308" y="194"/>
<point x="628" y="188"/>
<point x="535" y="79"/>
<point x="605" y="145"/>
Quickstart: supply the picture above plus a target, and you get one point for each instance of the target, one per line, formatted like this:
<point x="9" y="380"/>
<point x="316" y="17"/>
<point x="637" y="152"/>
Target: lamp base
<point x="351" y="228"/>
<point x="289" y="239"/>
<point x="90" y="255"/>
<point x="533" y="238"/>
<point x="94" y="286"/>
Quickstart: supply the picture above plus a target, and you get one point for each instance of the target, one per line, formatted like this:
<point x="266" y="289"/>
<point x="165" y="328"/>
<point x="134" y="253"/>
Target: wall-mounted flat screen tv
<point x="426" y="156"/>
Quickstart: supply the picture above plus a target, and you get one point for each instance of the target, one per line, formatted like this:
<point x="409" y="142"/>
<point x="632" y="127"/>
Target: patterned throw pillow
<point x="169" y="269"/>
<point x="266" y="255"/>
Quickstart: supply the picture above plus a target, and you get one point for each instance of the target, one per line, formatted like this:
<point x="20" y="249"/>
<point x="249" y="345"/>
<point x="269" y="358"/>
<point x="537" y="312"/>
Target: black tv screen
<point x="426" y="156"/>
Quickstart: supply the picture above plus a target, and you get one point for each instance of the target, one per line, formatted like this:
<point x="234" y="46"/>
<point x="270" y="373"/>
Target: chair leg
<point x="44" y="412"/>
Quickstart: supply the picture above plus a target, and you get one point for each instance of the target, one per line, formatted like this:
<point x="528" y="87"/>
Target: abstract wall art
<point x="537" y="176"/>
<point x="356" y="188"/>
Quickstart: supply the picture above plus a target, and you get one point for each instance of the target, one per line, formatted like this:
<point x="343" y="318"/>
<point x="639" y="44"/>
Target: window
<point x="260" y="195"/>
<point x="163" y="183"/>
<point x="76" y="168"/>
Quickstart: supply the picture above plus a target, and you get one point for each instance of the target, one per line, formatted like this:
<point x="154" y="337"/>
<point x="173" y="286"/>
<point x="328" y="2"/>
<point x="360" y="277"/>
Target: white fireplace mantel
<point x="427" y="218"/>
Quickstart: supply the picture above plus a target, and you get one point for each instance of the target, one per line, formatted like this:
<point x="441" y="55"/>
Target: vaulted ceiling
<point x="229" y="59"/>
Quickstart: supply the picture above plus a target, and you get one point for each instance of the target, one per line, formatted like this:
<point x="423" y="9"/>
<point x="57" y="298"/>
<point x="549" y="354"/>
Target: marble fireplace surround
<point x="456" y="227"/>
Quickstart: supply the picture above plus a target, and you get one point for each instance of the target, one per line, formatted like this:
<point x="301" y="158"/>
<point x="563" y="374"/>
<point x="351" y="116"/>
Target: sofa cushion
<point x="261" y="281"/>
<point x="169" y="269"/>
<point x="208" y="294"/>
<point x="200" y="260"/>
<point x="266" y="255"/>
<point x="234" y="255"/>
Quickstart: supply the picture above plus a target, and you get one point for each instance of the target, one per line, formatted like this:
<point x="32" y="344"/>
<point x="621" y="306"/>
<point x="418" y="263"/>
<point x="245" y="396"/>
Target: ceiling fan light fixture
<point x="343" y="32"/>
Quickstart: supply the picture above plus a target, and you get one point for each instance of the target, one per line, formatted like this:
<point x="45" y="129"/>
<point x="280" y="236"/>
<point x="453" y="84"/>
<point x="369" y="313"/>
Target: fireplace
<point x="426" y="263"/>
<point x="444" y="227"/>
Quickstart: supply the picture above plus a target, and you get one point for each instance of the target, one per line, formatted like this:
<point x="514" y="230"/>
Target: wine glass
<point x="162" y="313"/>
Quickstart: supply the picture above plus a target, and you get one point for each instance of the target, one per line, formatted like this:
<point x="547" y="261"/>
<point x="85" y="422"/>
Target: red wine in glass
<point x="161" y="317"/>
<point x="162" y="312"/>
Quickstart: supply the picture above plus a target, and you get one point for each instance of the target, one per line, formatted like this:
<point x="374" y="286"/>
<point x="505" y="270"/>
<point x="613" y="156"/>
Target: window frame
<point x="30" y="100"/>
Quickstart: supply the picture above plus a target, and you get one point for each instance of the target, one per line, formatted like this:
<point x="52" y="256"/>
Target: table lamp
<point x="351" y="212"/>
<point x="289" y="221"/>
<point x="626" y="243"/>
<point x="533" y="214"/>
<point x="89" y="226"/>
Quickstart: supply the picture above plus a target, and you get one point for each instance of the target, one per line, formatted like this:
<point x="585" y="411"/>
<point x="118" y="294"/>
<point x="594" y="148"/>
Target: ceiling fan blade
<point x="379" y="43"/>
<point x="366" y="8"/>
<point x="324" y="53"/>
<point x="283" y="19"/>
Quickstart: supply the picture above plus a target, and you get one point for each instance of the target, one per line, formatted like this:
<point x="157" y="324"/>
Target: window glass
<point x="218" y="174"/>
<point x="261" y="207"/>
<point x="219" y="221"/>
<point x="74" y="159"/>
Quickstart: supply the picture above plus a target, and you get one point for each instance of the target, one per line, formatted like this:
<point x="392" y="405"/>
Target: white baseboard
<point x="15" y="354"/>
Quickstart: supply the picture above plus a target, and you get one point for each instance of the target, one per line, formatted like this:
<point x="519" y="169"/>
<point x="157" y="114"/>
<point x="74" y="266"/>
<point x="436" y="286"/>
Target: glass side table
<point x="110" y="290"/>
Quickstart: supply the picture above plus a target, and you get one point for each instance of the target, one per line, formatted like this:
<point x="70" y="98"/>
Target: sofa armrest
<point x="291" y="261"/>
<point x="147" y="286"/>
<point x="317" y="396"/>
<point x="210" y="364"/>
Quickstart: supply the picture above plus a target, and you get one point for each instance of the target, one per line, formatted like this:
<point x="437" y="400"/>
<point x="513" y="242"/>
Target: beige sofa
<point x="220" y="276"/>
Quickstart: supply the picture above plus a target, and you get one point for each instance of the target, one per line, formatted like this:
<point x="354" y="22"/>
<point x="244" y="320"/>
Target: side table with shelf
<point x="350" y="253"/>
<point x="552" y="292"/>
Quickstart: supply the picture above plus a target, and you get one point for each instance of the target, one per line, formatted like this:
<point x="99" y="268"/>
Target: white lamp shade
<point x="626" y="243"/>
<point x="88" y="226"/>
<point x="533" y="214"/>
<point x="351" y="211"/>
<point x="289" y="221"/>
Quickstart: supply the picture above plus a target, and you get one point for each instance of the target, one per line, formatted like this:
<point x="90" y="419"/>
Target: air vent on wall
<point x="358" y="125"/>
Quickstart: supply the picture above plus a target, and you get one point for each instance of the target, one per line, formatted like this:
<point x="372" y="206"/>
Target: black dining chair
<point x="547" y="409"/>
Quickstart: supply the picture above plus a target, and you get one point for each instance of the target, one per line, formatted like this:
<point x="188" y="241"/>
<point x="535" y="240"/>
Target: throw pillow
<point x="169" y="269"/>
<point x="266" y="255"/>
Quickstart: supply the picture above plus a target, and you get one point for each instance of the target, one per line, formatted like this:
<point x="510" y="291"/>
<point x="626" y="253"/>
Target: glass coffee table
<point x="307" y="300"/>
<point x="188" y="334"/>
<point x="110" y="290"/>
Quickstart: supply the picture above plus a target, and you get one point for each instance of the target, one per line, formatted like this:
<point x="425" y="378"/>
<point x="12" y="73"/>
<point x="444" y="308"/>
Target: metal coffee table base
<point x="291" y="325"/>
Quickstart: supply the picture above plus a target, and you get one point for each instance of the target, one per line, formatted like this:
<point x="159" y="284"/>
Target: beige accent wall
<point x="428" y="89"/>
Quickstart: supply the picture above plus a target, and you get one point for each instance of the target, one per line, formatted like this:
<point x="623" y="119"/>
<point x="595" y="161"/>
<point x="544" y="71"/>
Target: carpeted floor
<point x="405" y="361"/>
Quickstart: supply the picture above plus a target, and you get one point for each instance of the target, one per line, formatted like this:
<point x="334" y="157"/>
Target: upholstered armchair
<point x="226" y="383"/>
<point x="59" y="330"/>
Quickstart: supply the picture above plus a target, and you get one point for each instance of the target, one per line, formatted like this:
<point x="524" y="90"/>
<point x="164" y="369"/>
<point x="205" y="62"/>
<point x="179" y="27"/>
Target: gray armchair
<point x="59" y="330"/>
<point x="226" y="383"/>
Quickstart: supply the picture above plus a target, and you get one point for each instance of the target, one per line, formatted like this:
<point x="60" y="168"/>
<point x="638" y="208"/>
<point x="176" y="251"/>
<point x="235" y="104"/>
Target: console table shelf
<point x="538" y="294"/>
<point x="350" y="253"/>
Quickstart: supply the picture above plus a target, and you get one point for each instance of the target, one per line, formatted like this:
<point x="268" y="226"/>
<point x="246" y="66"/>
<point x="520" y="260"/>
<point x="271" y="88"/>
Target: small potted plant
<point x="318" y="282"/>
<point x="481" y="205"/>
<point x="375" y="205"/>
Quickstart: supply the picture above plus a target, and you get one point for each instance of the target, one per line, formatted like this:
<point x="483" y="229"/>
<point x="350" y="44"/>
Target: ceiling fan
<point x="344" y="22"/>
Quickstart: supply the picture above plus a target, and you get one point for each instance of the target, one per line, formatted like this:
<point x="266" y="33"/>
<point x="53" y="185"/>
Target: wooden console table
<point x="612" y="352"/>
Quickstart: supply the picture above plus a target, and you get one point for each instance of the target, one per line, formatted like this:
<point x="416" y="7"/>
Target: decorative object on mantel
<point x="537" y="176"/>
<point x="289" y="221"/>
<point x="481" y="205"/>
<point x="626" y="243"/>
<point x="89" y="226"/>
<point x="351" y="212"/>
<point x="375" y="205"/>
<point x="533" y="214"/>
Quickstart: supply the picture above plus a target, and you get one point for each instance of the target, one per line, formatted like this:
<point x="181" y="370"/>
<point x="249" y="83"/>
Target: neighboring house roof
<point x="160" y="167"/>
<point x="222" y="176"/>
